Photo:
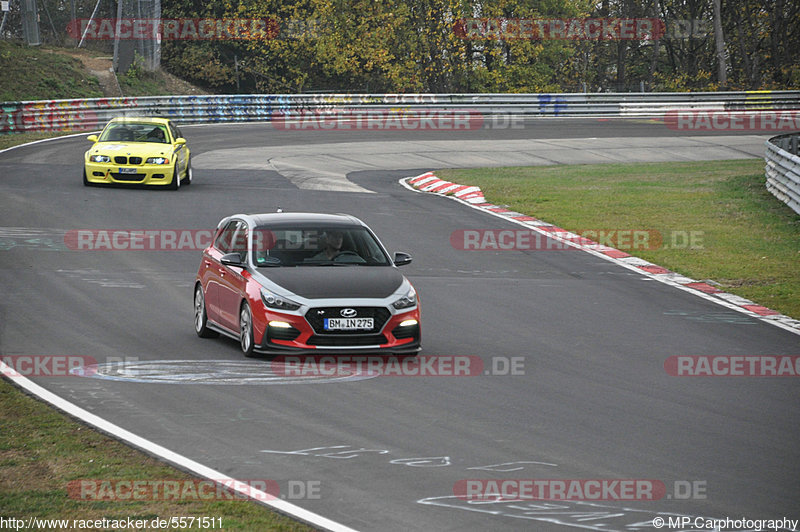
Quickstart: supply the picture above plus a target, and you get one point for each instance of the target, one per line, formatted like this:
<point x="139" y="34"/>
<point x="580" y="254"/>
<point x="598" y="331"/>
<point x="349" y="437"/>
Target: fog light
<point x="282" y="324"/>
<point x="407" y="323"/>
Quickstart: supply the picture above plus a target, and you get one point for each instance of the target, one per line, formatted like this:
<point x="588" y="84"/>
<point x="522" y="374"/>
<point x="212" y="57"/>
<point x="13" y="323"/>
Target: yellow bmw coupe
<point x="141" y="151"/>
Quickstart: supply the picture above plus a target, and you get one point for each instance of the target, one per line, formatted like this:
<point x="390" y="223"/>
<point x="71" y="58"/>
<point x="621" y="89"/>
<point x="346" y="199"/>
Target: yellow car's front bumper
<point x="143" y="174"/>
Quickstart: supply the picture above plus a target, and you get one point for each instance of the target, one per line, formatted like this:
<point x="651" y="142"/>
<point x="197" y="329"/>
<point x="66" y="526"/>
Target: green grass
<point x="13" y="139"/>
<point x="139" y="82"/>
<point x="42" y="450"/>
<point x="750" y="240"/>
<point x="32" y="73"/>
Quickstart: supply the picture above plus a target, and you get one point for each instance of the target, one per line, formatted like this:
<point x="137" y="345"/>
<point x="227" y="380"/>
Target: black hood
<point x="317" y="282"/>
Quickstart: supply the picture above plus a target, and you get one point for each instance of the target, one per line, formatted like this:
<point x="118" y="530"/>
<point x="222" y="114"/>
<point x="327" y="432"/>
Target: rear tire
<point x="200" y="316"/>
<point x="246" y="331"/>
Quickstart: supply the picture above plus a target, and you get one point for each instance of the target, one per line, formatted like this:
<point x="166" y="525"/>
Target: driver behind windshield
<point x="332" y="245"/>
<point x="156" y="135"/>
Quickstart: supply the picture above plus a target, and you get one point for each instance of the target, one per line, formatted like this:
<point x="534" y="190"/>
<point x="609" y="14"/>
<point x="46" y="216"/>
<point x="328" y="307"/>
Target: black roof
<point x="305" y="218"/>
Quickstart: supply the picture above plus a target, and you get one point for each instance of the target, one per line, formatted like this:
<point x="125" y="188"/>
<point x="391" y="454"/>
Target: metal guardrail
<point x="783" y="169"/>
<point x="90" y="114"/>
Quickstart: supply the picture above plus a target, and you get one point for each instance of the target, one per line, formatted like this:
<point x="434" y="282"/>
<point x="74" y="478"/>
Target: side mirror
<point x="232" y="259"/>
<point x="180" y="141"/>
<point x="92" y="138"/>
<point x="401" y="258"/>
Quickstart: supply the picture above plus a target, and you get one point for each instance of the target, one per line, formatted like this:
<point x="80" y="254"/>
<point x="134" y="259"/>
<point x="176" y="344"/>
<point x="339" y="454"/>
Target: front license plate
<point x="348" y="324"/>
<point x="127" y="170"/>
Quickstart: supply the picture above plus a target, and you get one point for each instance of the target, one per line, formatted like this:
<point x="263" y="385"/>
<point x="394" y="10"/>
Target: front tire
<point x="176" y="178"/>
<point x="189" y="172"/>
<point x="246" y="331"/>
<point x="200" y="316"/>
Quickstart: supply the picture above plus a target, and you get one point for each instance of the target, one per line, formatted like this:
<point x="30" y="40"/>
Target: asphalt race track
<point x="591" y="398"/>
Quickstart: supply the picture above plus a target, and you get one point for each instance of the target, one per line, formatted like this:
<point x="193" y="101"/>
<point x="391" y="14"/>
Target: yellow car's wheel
<point x="176" y="178"/>
<point x="189" y="172"/>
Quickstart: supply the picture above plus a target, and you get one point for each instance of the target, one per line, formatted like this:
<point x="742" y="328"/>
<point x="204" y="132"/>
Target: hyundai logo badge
<point x="348" y="312"/>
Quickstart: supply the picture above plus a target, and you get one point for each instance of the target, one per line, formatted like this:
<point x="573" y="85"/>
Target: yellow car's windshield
<point x="135" y="133"/>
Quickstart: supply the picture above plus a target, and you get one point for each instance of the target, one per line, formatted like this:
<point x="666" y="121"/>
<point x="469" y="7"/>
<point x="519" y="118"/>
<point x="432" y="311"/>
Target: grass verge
<point x="43" y="450"/>
<point x="749" y="242"/>
<point x="14" y="139"/>
<point x="138" y="81"/>
<point x="33" y="73"/>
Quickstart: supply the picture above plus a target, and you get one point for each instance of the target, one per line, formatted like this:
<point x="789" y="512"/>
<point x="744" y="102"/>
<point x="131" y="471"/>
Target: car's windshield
<point x="133" y="132"/>
<point x="317" y="246"/>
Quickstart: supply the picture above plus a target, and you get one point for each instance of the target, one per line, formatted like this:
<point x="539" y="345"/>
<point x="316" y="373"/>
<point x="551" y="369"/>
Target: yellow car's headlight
<point x="100" y="159"/>
<point x="157" y="160"/>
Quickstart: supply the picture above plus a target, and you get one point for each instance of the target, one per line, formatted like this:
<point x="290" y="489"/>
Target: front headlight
<point x="407" y="301"/>
<point x="100" y="159"/>
<point x="157" y="160"/>
<point x="277" y="302"/>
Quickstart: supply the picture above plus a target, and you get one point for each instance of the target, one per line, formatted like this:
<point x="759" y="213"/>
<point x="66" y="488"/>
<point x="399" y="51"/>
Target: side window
<point x="176" y="133"/>
<point x="225" y="237"/>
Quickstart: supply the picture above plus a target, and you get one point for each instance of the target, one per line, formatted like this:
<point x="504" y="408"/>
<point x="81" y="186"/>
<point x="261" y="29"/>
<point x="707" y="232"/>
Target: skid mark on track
<point x="586" y="515"/>
<point x="104" y="279"/>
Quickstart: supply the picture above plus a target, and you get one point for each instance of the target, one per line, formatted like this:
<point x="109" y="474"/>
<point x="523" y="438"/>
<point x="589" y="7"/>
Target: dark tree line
<point x="421" y="45"/>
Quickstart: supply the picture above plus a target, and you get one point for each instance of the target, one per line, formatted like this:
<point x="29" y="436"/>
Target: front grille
<point x="316" y="318"/>
<point x="342" y="341"/>
<point x="128" y="177"/>
<point x="135" y="160"/>
<point x="282" y="333"/>
<point x="119" y="159"/>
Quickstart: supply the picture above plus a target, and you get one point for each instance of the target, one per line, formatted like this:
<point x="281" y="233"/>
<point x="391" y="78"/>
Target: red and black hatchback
<point x="303" y="282"/>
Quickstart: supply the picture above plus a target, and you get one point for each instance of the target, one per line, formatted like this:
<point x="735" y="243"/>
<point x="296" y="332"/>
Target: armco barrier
<point x="783" y="169"/>
<point x="89" y="114"/>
